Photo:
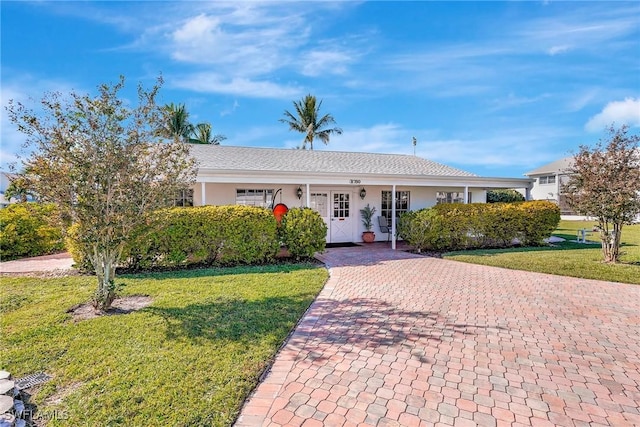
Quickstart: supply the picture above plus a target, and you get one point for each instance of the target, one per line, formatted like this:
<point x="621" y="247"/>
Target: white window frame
<point x="403" y="204"/>
<point x="262" y="197"/>
<point x="184" y="198"/>
<point x="547" y="179"/>
<point x="449" y="197"/>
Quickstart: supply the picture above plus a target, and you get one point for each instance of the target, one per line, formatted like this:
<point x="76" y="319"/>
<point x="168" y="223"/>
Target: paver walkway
<point x="45" y="263"/>
<point x="396" y="339"/>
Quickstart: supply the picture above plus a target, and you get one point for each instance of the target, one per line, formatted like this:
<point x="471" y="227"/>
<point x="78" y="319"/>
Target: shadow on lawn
<point x="233" y="319"/>
<point x="562" y="246"/>
<point x="195" y="271"/>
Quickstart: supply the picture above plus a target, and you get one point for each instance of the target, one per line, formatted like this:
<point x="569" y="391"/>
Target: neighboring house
<point x="548" y="182"/>
<point x="336" y="184"/>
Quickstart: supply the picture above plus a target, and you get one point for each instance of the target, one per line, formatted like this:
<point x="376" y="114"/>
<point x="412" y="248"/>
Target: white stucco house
<point x="548" y="181"/>
<point x="336" y="184"/>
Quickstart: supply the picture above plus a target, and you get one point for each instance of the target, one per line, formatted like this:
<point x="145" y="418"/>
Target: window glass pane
<point x="449" y="197"/>
<point x="184" y="198"/>
<point x="402" y="204"/>
<point x="319" y="203"/>
<point x="252" y="197"/>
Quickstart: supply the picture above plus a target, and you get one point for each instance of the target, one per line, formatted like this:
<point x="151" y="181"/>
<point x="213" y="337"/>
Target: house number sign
<point x="354" y="181"/>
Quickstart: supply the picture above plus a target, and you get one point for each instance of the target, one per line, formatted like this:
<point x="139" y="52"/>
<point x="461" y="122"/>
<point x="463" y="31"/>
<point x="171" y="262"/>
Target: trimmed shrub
<point x="75" y="247"/>
<point x="30" y="229"/>
<point x="539" y="219"/>
<point x="458" y="226"/>
<point x="504" y="196"/>
<point x="213" y="235"/>
<point x="422" y="229"/>
<point x="210" y="235"/>
<point x="303" y="232"/>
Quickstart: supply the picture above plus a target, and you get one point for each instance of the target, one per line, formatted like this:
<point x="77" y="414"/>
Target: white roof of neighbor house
<point x="560" y="165"/>
<point x="228" y="158"/>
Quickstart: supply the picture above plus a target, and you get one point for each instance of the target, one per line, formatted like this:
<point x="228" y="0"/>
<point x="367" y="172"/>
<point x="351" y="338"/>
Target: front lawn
<point x="189" y="359"/>
<point x="566" y="258"/>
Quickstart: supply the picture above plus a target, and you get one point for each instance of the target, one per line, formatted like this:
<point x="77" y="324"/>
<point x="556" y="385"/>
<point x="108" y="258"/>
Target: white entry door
<point x="341" y="224"/>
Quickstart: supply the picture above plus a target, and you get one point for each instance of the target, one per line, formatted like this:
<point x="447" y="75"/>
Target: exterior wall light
<point x="299" y="193"/>
<point x="363" y="193"/>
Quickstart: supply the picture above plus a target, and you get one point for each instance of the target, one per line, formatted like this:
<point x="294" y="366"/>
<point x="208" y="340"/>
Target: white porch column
<point x="393" y="217"/>
<point x="527" y="192"/>
<point x="203" y="194"/>
<point x="466" y="194"/>
<point x="308" y="196"/>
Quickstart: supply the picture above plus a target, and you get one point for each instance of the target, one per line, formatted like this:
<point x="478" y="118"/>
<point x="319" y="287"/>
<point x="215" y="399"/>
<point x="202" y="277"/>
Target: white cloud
<point x="320" y="62"/>
<point x="578" y="102"/>
<point x="508" y="147"/>
<point x="555" y="50"/>
<point x="244" y="44"/>
<point x="513" y="101"/>
<point x="226" y="41"/>
<point x="198" y="30"/>
<point x="238" y="86"/>
<point x="619" y="112"/>
<point x="585" y="28"/>
<point x="379" y="138"/>
<point x="231" y="109"/>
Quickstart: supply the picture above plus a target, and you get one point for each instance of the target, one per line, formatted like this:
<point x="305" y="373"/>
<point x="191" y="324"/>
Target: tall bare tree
<point x="307" y="120"/>
<point x="103" y="164"/>
<point x="605" y="184"/>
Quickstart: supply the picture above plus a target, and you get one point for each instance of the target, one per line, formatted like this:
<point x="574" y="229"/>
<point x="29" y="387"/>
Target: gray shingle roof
<point x="560" y="165"/>
<point x="216" y="157"/>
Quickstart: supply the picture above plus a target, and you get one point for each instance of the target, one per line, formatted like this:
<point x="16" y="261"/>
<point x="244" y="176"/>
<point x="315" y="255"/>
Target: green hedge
<point x="29" y="229"/>
<point x="214" y="235"/>
<point x="504" y="196"/>
<point x="478" y="225"/>
<point x="78" y="252"/>
<point x="211" y="235"/>
<point x="303" y="232"/>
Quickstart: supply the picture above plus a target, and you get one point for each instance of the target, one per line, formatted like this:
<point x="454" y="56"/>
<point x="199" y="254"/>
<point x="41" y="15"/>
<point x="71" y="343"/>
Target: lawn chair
<point x="383" y="223"/>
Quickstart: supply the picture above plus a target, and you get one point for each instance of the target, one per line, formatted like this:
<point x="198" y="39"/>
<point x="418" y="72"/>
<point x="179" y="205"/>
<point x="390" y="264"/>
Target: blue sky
<point x="495" y="88"/>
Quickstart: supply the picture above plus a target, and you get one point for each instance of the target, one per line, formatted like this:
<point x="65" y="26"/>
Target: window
<point x="548" y="179"/>
<point x="341" y="205"/>
<point x="262" y="197"/>
<point x="319" y="203"/>
<point x="449" y="197"/>
<point x="184" y="198"/>
<point x="402" y="204"/>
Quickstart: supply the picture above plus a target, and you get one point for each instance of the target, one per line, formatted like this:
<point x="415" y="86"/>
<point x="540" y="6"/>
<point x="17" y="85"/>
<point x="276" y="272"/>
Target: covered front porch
<point x="338" y="201"/>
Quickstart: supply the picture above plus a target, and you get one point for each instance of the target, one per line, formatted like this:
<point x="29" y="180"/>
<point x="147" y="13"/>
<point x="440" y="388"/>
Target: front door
<point x="341" y="224"/>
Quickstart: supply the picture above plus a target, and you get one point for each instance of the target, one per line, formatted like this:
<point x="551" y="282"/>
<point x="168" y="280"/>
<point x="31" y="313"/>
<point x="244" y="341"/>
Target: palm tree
<point x="201" y="134"/>
<point x="307" y="121"/>
<point x="19" y="188"/>
<point x="177" y="124"/>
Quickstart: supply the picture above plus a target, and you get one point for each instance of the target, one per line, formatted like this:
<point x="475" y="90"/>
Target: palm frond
<point x="306" y="121"/>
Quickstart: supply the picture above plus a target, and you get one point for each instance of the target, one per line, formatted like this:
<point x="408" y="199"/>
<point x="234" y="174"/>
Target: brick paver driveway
<point x="396" y="339"/>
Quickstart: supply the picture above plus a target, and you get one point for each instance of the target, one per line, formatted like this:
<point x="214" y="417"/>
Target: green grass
<point x="566" y="258"/>
<point x="189" y="359"/>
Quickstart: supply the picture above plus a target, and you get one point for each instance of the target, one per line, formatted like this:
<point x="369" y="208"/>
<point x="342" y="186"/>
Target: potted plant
<point x="367" y="213"/>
